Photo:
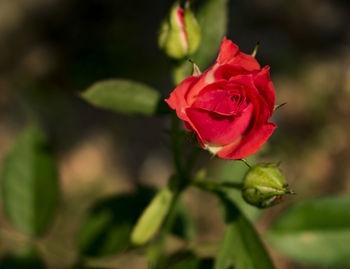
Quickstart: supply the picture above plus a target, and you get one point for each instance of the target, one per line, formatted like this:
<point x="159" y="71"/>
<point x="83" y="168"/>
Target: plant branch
<point x="176" y="137"/>
<point x="213" y="186"/>
<point x="192" y="160"/>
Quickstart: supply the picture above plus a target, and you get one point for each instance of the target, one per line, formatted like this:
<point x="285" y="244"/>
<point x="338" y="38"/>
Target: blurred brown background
<point x="52" y="49"/>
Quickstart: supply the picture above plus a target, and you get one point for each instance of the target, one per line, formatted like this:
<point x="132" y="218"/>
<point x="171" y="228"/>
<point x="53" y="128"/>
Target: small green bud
<point x="192" y="29"/>
<point x="264" y="185"/>
<point x="152" y="217"/>
<point x="179" y="34"/>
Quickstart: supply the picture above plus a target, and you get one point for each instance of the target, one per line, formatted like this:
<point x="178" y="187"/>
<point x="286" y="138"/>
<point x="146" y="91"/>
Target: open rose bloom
<point x="229" y="105"/>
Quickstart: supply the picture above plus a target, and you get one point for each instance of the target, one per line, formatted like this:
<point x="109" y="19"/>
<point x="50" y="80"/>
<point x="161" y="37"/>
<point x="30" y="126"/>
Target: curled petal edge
<point x="249" y="144"/>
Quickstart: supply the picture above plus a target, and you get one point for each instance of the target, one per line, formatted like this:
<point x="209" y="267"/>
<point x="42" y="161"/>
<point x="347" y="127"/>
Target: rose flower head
<point x="229" y="105"/>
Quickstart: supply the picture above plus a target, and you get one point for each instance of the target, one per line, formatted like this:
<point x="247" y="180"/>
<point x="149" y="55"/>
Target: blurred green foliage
<point x="24" y="258"/>
<point x="30" y="189"/>
<point x="185" y="260"/>
<point x="241" y="246"/>
<point x="106" y="229"/>
<point x="51" y="51"/>
<point x="315" y="232"/>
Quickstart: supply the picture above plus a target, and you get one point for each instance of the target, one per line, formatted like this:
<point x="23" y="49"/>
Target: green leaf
<point x="152" y="218"/>
<point x="234" y="171"/>
<point x="315" y="232"/>
<point x="212" y="18"/>
<point x="241" y="247"/>
<point x="125" y="96"/>
<point x="107" y="227"/>
<point x="30" y="183"/>
<point x="184" y="226"/>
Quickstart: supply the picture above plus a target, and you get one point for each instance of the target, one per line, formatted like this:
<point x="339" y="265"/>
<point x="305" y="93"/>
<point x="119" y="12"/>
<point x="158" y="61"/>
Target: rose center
<point x="237" y="101"/>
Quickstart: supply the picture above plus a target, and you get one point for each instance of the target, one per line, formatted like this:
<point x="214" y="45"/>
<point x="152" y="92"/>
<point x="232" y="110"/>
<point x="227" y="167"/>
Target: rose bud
<point x="264" y="186"/>
<point x="179" y="34"/>
<point x="229" y="105"/>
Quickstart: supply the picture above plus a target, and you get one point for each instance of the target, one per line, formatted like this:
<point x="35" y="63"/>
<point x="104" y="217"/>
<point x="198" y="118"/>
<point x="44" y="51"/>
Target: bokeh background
<point x="50" y="50"/>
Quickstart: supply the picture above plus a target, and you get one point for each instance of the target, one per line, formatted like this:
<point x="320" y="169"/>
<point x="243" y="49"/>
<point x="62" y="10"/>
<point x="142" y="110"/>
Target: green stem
<point x="178" y="184"/>
<point x="192" y="160"/>
<point x="213" y="186"/>
<point x="176" y="137"/>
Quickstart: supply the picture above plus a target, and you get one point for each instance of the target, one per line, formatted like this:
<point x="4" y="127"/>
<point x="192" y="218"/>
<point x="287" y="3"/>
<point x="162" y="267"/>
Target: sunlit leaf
<point x="125" y="96"/>
<point x="30" y="183"/>
<point x="315" y="232"/>
<point x="152" y="217"/>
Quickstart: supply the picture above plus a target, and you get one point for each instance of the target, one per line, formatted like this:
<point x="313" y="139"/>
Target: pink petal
<point x="219" y="101"/>
<point x="188" y="126"/>
<point x="227" y="71"/>
<point x="261" y="108"/>
<point x="249" y="144"/>
<point x="204" y="80"/>
<point x="248" y="62"/>
<point x="228" y="51"/>
<point x="210" y="99"/>
<point x="177" y="97"/>
<point x="263" y="83"/>
<point x="217" y="129"/>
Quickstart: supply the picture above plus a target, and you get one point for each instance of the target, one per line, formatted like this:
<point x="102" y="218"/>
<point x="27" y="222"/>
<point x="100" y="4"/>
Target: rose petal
<point x="177" y="97"/>
<point x="217" y="129"/>
<point x="220" y="102"/>
<point x="188" y="126"/>
<point x="228" y="105"/>
<point x="204" y="80"/>
<point x="229" y="54"/>
<point x="261" y="108"/>
<point x="249" y="144"/>
<point x="247" y="61"/>
<point x="228" y="51"/>
<point x="227" y="71"/>
<point x="210" y="99"/>
<point x="263" y="83"/>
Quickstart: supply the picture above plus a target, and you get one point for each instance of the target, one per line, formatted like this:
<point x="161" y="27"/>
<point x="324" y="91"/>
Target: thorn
<point x="255" y="51"/>
<point x="279" y="106"/>
<point x="245" y="162"/>
<point x="196" y="72"/>
<point x="290" y="192"/>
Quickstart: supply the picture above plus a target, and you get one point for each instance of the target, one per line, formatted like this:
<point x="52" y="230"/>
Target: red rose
<point x="229" y="105"/>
